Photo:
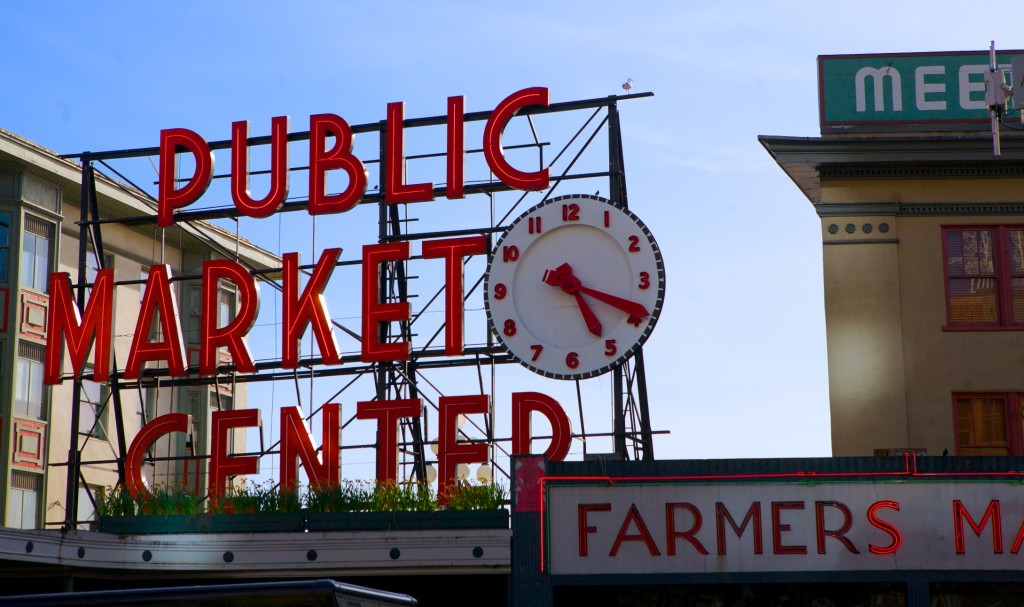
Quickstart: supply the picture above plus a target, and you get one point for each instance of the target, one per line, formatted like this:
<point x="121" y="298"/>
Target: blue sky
<point x="737" y="364"/>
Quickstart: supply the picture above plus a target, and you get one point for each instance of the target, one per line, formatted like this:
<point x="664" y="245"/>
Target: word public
<point x="338" y="156"/>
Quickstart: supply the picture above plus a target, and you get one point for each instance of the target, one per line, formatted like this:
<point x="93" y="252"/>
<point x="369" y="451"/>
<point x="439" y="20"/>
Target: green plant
<point x="160" y="500"/>
<point x="346" y="497"/>
<point x="116" y="502"/>
<point x="407" y="497"/>
<point x="468" y="496"/>
<point x="368" y="496"/>
<point x="251" y="497"/>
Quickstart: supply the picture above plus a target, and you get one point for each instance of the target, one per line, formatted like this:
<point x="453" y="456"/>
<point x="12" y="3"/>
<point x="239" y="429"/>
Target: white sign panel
<point x="760" y="527"/>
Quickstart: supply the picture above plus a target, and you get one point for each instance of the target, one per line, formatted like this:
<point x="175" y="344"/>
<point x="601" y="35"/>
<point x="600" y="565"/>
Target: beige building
<point x="39" y="208"/>
<point x="923" y="249"/>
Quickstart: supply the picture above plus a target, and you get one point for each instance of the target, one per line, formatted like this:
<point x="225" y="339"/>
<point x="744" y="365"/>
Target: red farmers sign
<point x="724" y="526"/>
<point x="330" y="149"/>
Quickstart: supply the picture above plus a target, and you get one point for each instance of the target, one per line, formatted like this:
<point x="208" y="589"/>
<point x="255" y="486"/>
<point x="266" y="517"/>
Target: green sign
<point x="900" y="89"/>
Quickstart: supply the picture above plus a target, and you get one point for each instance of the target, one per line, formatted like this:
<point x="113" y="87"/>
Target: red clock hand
<point x="563" y="278"/>
<point x="629" y="307"/>
<point x="593" y="324"/>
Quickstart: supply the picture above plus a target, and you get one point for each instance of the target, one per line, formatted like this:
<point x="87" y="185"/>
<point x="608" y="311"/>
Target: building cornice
<point x="808" y="160"/>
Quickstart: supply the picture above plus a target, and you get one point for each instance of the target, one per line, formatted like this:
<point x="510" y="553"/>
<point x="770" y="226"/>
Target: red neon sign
<point x="339" y="156"/>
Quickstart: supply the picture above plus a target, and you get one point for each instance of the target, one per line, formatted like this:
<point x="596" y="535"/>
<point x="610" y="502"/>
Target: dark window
<point x="5" y="244"/>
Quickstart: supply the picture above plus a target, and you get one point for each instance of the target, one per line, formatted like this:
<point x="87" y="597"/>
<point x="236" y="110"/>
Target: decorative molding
<point x="29" y="445"/>
<point x="984" y="208"/>
<point x="892" y="209"/>
<point x="889" y="171"/>
<point x="33" y="315"/>
<point x="887" y="209"/>
<point x="863" y="241"/>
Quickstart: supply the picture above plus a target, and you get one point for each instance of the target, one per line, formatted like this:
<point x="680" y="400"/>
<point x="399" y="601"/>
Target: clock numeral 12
<point x="509" y="253"/>
<point x="537" y="349"/>
<point x="570" y="212"/>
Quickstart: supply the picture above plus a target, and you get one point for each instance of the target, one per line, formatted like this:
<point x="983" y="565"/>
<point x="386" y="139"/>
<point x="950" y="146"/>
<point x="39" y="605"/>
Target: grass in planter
<point x="467" y="496"/>
<point x="369" y="496"/>
<point x="250" y="498"/>
<point x="160" y="500"/>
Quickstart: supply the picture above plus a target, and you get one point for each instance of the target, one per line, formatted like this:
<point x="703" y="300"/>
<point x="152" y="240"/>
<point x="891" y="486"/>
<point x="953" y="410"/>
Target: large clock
<point x="574" y="287"/>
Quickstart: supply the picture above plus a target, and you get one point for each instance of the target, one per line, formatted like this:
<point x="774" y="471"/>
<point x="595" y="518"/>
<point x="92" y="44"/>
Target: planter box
<point x="406" y="521"/>
<point x="254" y="523"/>
<point x="139" y="525"/>
<point x="203" y="523"/>
<point x="297" y="522"/>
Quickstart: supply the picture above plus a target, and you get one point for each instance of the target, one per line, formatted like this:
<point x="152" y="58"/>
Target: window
<point x="988" y="424"/>
<point x="23" y="500"/>
<point x="225" y="306"/>
<point x="223" y="402"/>
<point x="87" y="506"/>
<point x="984" y="276"/>
<point x="28" y="385"/>
<point x="35" y="253"/>
<point x="5" y="243"/>
<point x="93" y="403"/>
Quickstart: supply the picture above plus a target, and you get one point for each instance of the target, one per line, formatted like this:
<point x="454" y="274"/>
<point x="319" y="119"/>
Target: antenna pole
<point x="996" y="93"/>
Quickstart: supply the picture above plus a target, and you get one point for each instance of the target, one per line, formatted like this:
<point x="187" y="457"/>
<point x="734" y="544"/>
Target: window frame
<point x="36" y="229"/>
<point x="16" y="495"/>
<point x="35" y="369"/>
<point x="1003" y="276"/>
<point x="1012" y="420"/>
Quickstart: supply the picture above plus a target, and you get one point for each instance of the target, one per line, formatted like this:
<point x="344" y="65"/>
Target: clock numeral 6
<point x="500" y="291"/>
<point x="572" y="360"/>
<point x="645" y="281"/>
<point x="634" y="244"/>
<point x="510" y="328"/>
<point x="570" y="212"/>
<point x="610" y="349"/>
<point x="509" y="253"/>
<point x="537" y="349"/>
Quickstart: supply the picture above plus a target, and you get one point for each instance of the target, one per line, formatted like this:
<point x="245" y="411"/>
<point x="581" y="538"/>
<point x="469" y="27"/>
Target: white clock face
<point x="574" y="287"/>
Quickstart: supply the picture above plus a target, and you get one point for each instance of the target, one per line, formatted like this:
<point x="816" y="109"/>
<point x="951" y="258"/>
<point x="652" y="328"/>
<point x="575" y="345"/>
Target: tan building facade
<point x="39" y="208"/>
<point x="923" y="251"/>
